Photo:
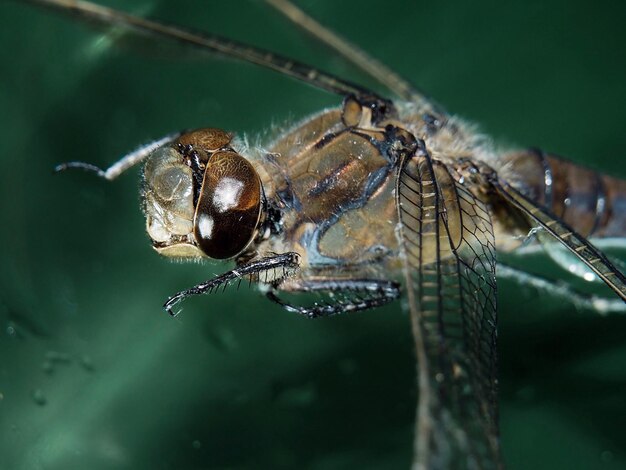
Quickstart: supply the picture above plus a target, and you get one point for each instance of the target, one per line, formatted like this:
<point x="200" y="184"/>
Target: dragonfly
<point x="432" y="202"/>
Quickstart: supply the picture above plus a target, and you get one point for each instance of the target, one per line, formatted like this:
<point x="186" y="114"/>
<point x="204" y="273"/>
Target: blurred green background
<point x="93" y="374"/>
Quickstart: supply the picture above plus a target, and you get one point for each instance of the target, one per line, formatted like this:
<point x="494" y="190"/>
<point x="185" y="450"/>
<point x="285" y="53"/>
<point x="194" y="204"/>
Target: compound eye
<point x="173" y="183"/>
<point x="229" y="206"/>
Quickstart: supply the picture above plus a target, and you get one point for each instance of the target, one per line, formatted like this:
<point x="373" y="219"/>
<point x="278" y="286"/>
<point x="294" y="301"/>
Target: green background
<point x="93" y="374"/>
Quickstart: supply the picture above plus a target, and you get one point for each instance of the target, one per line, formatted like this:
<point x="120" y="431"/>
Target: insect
<point x="376" y="105"/>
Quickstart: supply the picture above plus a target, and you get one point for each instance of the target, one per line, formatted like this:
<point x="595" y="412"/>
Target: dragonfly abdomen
<point x="592" y="203"/>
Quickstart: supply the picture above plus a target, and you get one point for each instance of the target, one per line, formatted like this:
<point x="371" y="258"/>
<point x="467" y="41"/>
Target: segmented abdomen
<point x="591" y="203"/>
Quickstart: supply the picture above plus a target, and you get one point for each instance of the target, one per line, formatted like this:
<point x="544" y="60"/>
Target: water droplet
<point x="196" y="444"/>
<point x="87" y="363"/>
<point x="55" y="356"/>
<point x="39" y="397"/>
<point x="47" y="367"/>
<point x="606" y="456"/>
<point x="589" y="276"/>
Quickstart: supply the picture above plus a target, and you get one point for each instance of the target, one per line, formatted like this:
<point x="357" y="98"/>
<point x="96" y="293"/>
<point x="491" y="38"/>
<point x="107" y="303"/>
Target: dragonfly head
<point x="200" y="197"/>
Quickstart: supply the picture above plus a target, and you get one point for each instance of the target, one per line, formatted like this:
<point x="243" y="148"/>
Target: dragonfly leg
<point x="345" y="296"/>
<point x="580" y="300"/>
<point x="126" y="162"/>
<point x="271" y="269"/>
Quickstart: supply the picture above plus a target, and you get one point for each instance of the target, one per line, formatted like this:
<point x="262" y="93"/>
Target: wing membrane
<point x="576" y="243"/>
<point x="449" y="268"/>
<point x="101" y="15"/>
<point x="373" y="67"/>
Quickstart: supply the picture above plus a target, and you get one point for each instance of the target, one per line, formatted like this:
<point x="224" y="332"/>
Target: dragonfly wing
<point x="99" y="15"/>
<point x="448" y="247"/>
<point x="577" y="244"/>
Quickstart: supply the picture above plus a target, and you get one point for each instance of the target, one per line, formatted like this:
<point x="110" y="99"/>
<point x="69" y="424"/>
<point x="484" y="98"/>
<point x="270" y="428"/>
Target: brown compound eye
<point x="229" y="206"/>
<point x="208" y="139"/>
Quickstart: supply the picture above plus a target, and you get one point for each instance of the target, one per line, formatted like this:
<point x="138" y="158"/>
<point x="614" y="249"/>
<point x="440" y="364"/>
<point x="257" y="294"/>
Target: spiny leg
<point x="126" y="162"/>
<point x="359" y="295"/>
<point x="282" y="266"/>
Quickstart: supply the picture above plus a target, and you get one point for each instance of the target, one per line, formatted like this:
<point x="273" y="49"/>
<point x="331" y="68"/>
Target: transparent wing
<point x="576" y="243"/>
<point x="101" y="15"/>
<point x="449" y="268"/>
<point x="374" y="68"/>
